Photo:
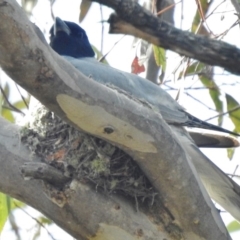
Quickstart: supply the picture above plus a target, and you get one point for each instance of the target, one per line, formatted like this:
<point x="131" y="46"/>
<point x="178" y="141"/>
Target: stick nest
<point x="84" y="157"/>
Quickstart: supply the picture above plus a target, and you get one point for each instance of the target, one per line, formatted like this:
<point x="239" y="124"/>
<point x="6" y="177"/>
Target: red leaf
<point x="136" y="67"/>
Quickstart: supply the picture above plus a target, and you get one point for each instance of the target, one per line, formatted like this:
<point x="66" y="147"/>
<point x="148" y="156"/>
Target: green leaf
<point x="17" y="204"/>
<point x="1" y="102"/>
<point x="5" y="206"/>
<point x="45" y="220"/>
<point x="2" y="99"/>
<point x="233" y="226"/>
<point x="199" y="69"/>
<point x="197" y="21"/>
<point x="230" y="153"/>
<point x="234" y="111"/>
<point x="84" y="8"/>
<point x="160" y="57"/>
<point x="7" y="114"/>
<point x="6" y="90"/>
<point x="193" y="69"/>
<point x="21" y="104"/>
<point x="214" y="93"/>
<point x="99" y="55"/>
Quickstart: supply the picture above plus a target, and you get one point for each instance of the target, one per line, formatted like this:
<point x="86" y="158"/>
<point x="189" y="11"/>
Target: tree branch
<point x="134" y="20"/>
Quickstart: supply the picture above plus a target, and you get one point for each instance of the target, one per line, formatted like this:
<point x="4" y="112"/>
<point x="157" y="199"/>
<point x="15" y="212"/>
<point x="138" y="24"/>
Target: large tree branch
<point x="33" y="65"/>
<point x="85" y="212"/>
<point x="134" y="20"/>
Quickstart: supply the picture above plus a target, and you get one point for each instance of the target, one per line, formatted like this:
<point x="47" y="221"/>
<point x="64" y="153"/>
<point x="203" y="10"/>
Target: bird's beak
<point x="60" y="25"/>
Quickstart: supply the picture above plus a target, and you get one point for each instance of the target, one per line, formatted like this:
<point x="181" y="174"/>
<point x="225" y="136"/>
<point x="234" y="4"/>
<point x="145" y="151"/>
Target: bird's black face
<point x="69" y="39"/>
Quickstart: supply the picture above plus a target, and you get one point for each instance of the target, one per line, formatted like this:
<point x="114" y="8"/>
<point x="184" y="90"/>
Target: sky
<point x="121" y="57"/>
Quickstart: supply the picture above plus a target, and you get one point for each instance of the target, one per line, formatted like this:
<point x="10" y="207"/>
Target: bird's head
<point x="69" y="39"/>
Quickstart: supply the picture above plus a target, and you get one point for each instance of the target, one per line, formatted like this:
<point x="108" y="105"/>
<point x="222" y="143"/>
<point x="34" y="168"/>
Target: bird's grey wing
<point x="220" y="187"/>
<point x="209" y="139"/>
<point x="139" y="88"/>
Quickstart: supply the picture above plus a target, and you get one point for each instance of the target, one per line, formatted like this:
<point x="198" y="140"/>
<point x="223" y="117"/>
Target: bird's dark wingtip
<point x="197" y="123"/>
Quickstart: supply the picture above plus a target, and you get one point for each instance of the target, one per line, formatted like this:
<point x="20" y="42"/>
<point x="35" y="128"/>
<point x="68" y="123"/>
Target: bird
<point x="70" y="41"/>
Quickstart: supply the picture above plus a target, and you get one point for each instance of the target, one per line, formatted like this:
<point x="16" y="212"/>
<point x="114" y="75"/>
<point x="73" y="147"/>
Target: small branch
<point x="36" y="220"/>
<point x="197" y="100"/>
<point x="11" y="107"/>
<point x="42" y="171"/>
<point x="222" y="114"/>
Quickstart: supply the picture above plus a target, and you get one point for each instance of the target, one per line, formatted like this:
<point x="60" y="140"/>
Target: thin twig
<point x="9" y="104"/>
<point x="35" y="219"/>
<point x="102" y="29"/>
<point x="23" y="98"/>
<point x="200" y="10"/>
<point x="222" y="114"/>
<point x="104" y="56"/>
<point x="215" y="9"/>
<point x="197" y="100"/>
<point x="168" y="7"/>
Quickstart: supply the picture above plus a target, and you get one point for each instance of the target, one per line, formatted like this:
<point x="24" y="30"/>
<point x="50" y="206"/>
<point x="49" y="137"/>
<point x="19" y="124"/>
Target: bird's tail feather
<point x="219" y="186"/>
<point x="195" y="122"/>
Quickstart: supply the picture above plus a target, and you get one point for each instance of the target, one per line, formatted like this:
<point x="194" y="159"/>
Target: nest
<point x="85" y="158"/>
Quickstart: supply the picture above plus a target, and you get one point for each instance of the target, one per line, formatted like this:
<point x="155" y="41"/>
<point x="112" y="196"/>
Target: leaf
<point x="21" y="104"/>
<point x="234" y="111"/>
<point x="84" y="8"/>
<point x="230" y="153"/>
<point x="214" y="93"/>
<point x="1" y="103"/>
<point x="7" y="114"/>
<point x="233" y="226"/>
<point x="197" y="21"/>
<point x="5" y="206"/>
<point x="99" y="55"/>
<point x="195" y="68"/>
<point x="28" y="5"/>
<point x="160" y="57"/>
<point x="17" y="204"/>
<point x="136" y="67"/>
<point x="45" y="220"/>
<point x="6" y="90"/>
